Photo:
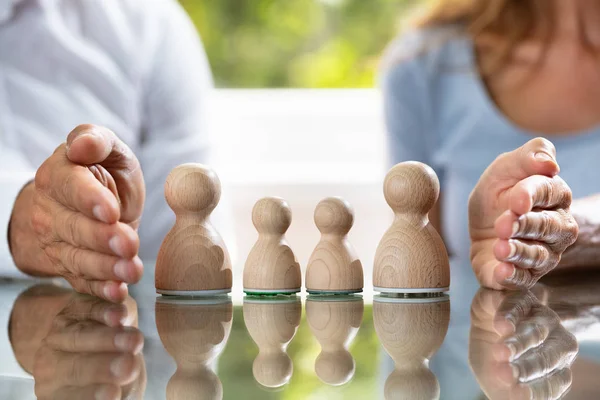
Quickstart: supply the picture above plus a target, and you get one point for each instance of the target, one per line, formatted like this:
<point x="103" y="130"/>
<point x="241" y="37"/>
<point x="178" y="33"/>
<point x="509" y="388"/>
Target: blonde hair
<point x="513" y="21"/>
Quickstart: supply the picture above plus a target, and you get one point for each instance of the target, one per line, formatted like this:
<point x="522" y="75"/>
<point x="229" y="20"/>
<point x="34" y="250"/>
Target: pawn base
<point x="199" y="293"/>
<point x="333" y="292"/>
<point x="270" y="292"/>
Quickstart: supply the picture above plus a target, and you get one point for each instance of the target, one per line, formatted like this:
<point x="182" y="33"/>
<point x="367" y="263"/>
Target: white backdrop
<point x="302" y="145"/>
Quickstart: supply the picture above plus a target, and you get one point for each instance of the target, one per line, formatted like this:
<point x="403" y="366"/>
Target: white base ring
<point x="416" y="300"/>
<point x="410" y="290"/>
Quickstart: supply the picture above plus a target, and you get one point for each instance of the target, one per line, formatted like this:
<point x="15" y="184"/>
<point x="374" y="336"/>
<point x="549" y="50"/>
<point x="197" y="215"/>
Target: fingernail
<point x="511" y="347"/>
<point x="115" y="315"/>
<point x="543" y="157"/>
<point x="516" y="372"/>
<point x="120" y="269"/>
<point x="116" y="245"/>
<point x="119" y="366"/>
<point x="107" y="292"/>
<point x="515" y="228"/>
<point x="104" y="393"/>
<point x="513" y="250"/>
<point x="126" y="341"/>
<point x="99" y="214"/>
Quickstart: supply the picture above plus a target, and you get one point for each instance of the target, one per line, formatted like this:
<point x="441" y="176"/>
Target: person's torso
<point x="63" y="64"/>
<point x="471" y="131"/>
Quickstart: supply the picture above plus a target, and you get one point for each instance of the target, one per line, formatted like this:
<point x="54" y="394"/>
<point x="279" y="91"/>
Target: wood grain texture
<point x="334" y="265"/>
<point x="411" y="333"/>
<point x="193" y="256"/>
<point x="411" y="254"/>
<point x="335" y="325"/>
<point x="271" y="264"/>
<point x="272" y="325"/>
<point x="194" y="335"/>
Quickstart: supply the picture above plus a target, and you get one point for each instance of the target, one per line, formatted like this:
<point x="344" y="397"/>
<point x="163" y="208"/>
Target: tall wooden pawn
<point x="411" y="256"/>
<point x="271" y="267"/>
<point x="194" y="332"/>
<point x="272" y="324"/>
<point x="411" y="332"/>
<point x="334" y="267"/>
<point x="334" y="322"/>
<point x="193" y="259"/>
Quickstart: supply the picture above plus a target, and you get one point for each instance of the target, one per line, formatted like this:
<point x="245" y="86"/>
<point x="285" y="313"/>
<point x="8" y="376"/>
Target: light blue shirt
<point x="134" y="66"/>
<point x="438" y="111"/>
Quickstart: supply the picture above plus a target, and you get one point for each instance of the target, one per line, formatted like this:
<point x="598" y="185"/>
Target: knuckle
<point x="71" y="224"/>
<point x="40" y="222"/>
<point x="42" y="177"/>
<point x="70" y="258"/>
<point x="542" y="143"/>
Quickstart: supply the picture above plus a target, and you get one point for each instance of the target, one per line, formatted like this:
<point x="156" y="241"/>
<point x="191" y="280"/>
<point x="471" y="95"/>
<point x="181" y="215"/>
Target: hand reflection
<point x="93" y="350"/>
<point x="517" y="347"/>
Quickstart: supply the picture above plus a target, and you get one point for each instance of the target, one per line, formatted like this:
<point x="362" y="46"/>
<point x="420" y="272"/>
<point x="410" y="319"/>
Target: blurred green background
<point x="296" y="43"/>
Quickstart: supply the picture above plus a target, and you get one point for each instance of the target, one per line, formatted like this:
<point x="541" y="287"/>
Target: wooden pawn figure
<point x="334" y="321"/>
<point x="411" y="256"/>
<point x="271" y="267"/>
<point x="411" y="331"/>
<point x="194" y="332"/>
<point x="193" y="259"/>
<point x="272" y="324"/>
<point x="334" y="267"/>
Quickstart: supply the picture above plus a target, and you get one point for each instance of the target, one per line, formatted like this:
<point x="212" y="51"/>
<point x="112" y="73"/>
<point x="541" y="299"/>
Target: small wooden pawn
<point x="411" y="256"/>
<point x="194" y="333"/>
<point x="334" y="267"/>
<point x="411" y="331"/>
<point x="193" y="259"/>
<point x="334" y="323"/>
<point x="272" y="324"/>
<point x="271" y="267"/>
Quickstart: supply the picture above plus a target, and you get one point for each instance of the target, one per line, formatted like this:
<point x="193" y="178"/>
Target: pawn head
<point x="192" y="188"/>
<point x="411" y="187"/>
<point x="272" y="369"/>
<point x="272" y="215"/>
<point x="335" y="368"/>
<point x="419" y="383"/>
<point x="334" y="215"/>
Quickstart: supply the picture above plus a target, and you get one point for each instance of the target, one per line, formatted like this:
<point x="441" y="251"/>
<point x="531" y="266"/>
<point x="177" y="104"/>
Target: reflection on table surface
<point x="471" y="344"/>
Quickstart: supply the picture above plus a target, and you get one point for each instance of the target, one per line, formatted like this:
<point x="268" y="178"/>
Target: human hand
<point x="519" y="218"/>
<point x="86" y="204"/>
<point x="93" y="350"/>
<point x="518" y="348"/>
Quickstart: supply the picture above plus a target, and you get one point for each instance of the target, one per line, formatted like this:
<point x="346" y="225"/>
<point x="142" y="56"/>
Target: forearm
<point x="26" y="252"/>
<point x="585" y="252"/>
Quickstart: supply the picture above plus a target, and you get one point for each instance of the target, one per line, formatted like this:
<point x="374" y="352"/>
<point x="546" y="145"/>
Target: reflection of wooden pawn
<point x="333" y="267"/>
<point x="411" y="333"/>
<point x="411" y="256"/>
<point x="334" y="323"/>
<point x="271" y="267"/>
<point x="272" y="325"/>
<point x="194" y="333"/>
<point x="193" y="259"/>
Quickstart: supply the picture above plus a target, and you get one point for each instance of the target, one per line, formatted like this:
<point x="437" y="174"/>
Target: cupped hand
<point x="519" y="218"/>
<point x="93" y="350"/>
<point x="87" y="205"/>
<point x="518" y="348"/>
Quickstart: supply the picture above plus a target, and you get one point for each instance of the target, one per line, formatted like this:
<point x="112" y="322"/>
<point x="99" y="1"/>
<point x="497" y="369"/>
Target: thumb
<point x="536" y="157"/>
<point x="91" y="144"/>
